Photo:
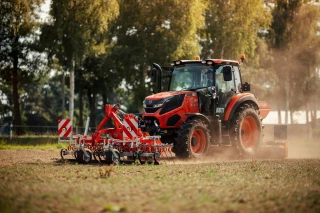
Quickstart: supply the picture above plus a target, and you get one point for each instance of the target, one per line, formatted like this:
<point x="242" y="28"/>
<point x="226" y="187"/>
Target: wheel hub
<point x="194" y="142"/>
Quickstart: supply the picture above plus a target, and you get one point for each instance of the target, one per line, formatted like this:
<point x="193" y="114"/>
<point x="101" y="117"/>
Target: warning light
<point x="242" y="57"/>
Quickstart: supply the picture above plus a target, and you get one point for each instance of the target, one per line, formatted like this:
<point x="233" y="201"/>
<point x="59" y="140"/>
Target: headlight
<point x="155" y="103"/>
<point x="158" y="105"/>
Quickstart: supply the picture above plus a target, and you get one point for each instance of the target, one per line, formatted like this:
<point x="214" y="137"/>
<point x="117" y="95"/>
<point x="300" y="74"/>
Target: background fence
<point x="41" y="130"/>
<point x="293" y="130"/>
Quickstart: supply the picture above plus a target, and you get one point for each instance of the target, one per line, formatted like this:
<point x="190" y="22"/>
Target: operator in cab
<point x="209" y="77"/>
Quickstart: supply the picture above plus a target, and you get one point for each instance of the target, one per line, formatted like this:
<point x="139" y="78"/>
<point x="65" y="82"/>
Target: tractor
<point x="204" y="104"/>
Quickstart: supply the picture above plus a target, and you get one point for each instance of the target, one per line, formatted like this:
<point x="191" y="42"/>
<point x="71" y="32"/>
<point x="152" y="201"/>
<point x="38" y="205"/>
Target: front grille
<point x="151" y="109"/>
<point x="172" y="104"/>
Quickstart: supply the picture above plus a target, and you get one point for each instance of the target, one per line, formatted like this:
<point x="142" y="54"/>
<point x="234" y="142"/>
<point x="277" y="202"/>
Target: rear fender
<point x="264" y="109"/>
<point x="236" y="102"/>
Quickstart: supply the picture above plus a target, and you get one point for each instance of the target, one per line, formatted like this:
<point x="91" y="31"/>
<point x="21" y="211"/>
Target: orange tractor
<point x="205" y="103"/>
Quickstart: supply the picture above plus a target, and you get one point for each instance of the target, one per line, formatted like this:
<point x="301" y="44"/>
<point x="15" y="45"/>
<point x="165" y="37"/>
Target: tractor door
<point x="226" y="87"/>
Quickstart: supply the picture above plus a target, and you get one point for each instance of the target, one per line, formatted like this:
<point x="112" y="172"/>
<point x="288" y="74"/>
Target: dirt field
<point x="36" y="180"/>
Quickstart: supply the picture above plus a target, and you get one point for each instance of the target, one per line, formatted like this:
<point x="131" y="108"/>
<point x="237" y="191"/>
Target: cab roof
<point x="205" y="61"/>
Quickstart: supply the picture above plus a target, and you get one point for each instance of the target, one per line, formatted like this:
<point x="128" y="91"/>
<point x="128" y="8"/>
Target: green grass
<point x="30" y="139"/>
<point x="31" y="142"/>
<point x="40" y="146"/>
<point x="245" y="186"/>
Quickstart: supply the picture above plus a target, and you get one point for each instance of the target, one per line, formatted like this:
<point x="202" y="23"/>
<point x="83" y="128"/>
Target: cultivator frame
<point x="123" y="143"/>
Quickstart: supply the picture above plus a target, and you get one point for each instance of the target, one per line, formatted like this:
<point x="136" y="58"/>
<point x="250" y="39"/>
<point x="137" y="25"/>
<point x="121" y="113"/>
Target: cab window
<point x="237" y="78"/>
<point x="221" y="85"/>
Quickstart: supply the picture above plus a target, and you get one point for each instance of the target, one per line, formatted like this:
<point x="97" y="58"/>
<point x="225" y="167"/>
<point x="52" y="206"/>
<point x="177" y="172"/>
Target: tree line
<point x="89" y="53"/>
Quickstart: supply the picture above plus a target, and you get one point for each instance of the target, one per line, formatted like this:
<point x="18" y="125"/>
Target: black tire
<point x="62" y="153"/>
<point x="82" y="158"/>
<point x="95" y="155"/>
<point x="111" y="159"/>
<point x="192" y="140"/>
<point x="246" y="131"/>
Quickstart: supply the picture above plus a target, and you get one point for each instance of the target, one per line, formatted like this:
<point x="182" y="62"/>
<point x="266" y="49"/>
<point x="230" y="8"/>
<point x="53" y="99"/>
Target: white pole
<point x="11" y="126"/>
<point x="87" y="126"/>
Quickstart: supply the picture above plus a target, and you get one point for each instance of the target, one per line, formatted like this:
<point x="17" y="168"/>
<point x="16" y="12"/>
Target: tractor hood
<point x="163" y="95"/>
<point x="159" y="99"/>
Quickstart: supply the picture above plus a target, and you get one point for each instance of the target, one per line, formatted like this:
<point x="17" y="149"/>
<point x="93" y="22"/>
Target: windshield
<point x="191" y="77"/>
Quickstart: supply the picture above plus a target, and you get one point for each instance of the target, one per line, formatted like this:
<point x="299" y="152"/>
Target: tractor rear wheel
<point x="246" y="131"/>
<point x="192" y="139"/>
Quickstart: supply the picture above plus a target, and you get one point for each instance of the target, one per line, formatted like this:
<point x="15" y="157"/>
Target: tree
<point x="294" y="42"/>
<point x="305" y="52"/>
<point x="157" y="32"/>
<point x="18" y="35"/>
<point x="233" y="27"/>
<point x="75" y="29"/>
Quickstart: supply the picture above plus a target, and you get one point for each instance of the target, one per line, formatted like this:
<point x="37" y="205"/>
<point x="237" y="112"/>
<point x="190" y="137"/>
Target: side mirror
<point x="154" y="75"/>
<point x="227" y="73"/>
<point x="245" y="87"/>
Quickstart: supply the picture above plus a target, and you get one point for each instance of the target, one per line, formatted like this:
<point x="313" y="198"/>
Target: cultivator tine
<point x="165" y="151"/>
<point x="168" y="155"/>
<point x="95" y="155"/>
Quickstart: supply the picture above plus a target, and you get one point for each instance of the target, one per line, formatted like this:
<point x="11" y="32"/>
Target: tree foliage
<point x="18" y="56"/>
<point x="232" y="28"/>
<point x="158" y="31"/>
<point x="76" y="29"/>
<point x="294" y="43"/>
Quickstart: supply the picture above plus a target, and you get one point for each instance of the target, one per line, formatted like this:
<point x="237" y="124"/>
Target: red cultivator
<point x="124" y="142"/>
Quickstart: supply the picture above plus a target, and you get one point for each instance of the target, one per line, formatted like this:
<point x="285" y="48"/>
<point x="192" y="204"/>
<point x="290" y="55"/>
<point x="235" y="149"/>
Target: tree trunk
<point x="279" y="114"/>
<point x="104" y="98"/>
<point x="80" y="106"/>
<point x="17" y="122"/>
<point x="80" y="86"/>
<point x="92" y="107"/>
<point x="63" y="95"/>
<point x="286" y="87"/>
<point x="71" y="99"/>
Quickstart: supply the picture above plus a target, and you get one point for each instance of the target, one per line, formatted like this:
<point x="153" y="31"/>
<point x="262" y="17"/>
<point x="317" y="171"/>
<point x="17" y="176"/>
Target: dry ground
<point x="36" y="180"/>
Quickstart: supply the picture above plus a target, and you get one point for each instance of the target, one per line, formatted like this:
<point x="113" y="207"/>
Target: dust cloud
<point x="299" y="146"/>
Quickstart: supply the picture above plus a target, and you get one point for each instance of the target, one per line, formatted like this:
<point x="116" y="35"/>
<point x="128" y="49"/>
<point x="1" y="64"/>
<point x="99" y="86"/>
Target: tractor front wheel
<point x="192" y="140"/>
<point x="246" y="131"/>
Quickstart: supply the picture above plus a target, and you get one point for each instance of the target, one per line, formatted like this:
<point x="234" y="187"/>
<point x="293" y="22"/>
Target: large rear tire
<point x="246" y="131"/>
<point x="192" y="140"/>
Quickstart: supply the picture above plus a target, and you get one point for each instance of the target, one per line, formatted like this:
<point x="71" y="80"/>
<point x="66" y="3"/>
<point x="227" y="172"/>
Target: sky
<point x="44" y="14"/>
<point x="299" y="117"/>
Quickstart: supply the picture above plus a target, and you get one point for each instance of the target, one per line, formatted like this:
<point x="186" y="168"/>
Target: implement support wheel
<point x="82" y="157"/>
